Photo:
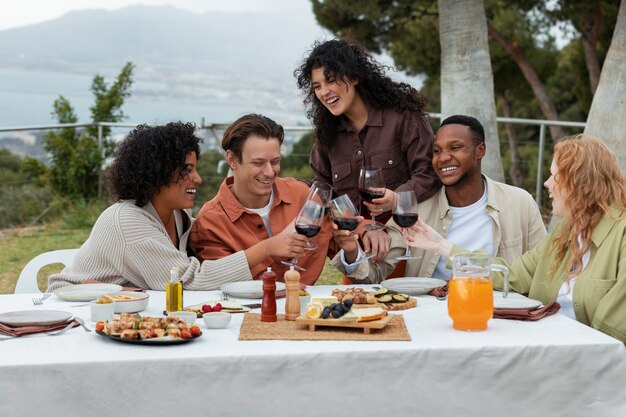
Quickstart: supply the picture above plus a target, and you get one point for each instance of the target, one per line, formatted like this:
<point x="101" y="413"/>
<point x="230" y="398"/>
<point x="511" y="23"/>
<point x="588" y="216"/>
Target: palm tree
<point x="466" y="76"/>
<point x="606" y="117"/>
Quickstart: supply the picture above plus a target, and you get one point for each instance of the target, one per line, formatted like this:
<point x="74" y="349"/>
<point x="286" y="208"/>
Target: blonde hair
<point x="591" y="181"/>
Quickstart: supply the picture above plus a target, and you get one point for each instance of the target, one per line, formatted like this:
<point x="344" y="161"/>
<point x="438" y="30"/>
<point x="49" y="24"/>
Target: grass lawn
<point x="21" y="245"/>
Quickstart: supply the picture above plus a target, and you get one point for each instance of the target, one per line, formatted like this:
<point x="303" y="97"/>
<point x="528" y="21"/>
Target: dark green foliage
<point x="75" y="156"/>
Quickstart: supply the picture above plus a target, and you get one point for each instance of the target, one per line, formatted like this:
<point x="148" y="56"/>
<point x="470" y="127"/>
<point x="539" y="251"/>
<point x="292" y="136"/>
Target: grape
<point x="336" y="314"/>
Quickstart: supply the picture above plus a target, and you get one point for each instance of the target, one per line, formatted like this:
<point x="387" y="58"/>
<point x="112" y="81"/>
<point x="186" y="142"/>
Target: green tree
<point x="75" y="156"/>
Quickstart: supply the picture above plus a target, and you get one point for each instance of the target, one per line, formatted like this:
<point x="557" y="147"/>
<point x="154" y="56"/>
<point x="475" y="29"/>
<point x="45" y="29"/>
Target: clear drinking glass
<point x="308" y="223"/>
<point x="405" y="216"/>
<point x="371" y="186"/>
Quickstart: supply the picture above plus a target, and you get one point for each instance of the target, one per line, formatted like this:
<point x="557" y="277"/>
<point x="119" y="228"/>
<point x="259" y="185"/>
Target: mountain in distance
<point x="161" y="36"/>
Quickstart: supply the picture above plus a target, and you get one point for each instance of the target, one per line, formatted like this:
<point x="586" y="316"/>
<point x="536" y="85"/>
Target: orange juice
<point x="470" y="303"/>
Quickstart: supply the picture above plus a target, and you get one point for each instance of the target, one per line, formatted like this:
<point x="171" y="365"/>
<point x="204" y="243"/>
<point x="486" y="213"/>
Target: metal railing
<point x="214" y="128"/>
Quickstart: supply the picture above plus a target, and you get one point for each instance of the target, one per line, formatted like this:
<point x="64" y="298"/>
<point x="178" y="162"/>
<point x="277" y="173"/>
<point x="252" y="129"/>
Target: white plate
<point x="34" y="317"/>
<point x="413" y="285"/>
<point x="248" y="289"/>
<point x="516" y="303"/>
<point x="86" y="292"/>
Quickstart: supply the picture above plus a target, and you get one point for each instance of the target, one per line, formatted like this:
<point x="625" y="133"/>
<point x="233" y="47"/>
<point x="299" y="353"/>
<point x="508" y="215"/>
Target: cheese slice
<point x="369" y="314"/>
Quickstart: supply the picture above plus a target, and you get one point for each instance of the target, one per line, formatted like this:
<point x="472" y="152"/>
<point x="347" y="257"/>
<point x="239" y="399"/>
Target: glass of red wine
<point x="308" y="223"/>
<point x="346" y="216"/>
<point x="405" y="215"/>
<point x="371" y="186"/>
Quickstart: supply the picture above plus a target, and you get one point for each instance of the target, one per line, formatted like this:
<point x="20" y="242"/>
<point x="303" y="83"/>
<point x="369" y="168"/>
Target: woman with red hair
<point x="582" y="262"/>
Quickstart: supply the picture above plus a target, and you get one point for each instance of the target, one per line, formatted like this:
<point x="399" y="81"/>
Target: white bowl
<point x="188" y="316"/>
<point x="101" y="312"/>
<point x="216" y="320"/>
<point x="131" y="306"/>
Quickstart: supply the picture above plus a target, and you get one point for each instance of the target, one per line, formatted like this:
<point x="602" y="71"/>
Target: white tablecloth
<point x="555" y="365"/>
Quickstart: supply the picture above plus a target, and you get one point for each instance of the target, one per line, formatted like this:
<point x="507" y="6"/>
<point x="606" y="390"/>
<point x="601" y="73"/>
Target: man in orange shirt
<point x="254" y="209"/>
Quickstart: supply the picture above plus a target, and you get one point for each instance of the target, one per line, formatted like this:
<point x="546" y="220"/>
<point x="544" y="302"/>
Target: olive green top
<point x="600" y="291"/>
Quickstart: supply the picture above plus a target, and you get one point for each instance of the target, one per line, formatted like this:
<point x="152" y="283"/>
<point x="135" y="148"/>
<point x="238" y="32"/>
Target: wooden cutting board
<point x="412" y="302"/>
<point x="367" y="326"/>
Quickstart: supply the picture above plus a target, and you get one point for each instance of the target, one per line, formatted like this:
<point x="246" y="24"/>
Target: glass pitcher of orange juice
<point x="470" y="293"/>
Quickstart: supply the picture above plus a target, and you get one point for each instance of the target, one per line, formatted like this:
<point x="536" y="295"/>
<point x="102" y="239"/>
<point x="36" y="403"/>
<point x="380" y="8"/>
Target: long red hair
<point x="589" y="177"/>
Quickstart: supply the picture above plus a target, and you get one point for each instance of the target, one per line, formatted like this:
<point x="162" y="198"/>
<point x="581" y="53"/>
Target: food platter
<point x="157" y="341"/>
<point x="248" y="289"/>
<point x="367" y="326"/>
<point x="413" y="285"/>
<point x="34" y="318"/>
<point x="86" y="292"/>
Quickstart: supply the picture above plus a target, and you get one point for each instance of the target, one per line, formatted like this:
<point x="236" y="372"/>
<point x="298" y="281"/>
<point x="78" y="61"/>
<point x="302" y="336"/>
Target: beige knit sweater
<point x="129" y="245"/>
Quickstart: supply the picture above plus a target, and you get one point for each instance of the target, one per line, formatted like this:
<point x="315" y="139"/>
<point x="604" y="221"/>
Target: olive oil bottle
<point x="174" y="292"/>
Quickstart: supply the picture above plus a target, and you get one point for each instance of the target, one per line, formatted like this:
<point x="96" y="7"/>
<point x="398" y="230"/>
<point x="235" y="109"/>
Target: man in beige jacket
<point x="470" y="210"/>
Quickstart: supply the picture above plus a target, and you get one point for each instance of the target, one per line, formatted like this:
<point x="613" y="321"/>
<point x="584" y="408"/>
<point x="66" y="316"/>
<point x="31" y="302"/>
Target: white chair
<point x="27" y="281"/>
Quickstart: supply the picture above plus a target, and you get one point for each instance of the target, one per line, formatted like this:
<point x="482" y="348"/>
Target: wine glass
<point x="346" y="216"/>
<point x="321" y="192"/>
<point x="405" y="215"/>
<point x="308" y="223"/>
<point x="371" y="186"/>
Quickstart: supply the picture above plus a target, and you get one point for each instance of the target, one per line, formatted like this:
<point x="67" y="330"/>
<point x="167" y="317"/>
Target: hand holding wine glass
<point x="308" y="223"/>
<point x="371" y="186"/>
<point x="405" y="215"/>
<point x="346" y="216"/>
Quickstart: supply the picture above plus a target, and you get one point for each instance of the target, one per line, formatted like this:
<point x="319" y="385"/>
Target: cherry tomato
<point x="100" y="326"/>
<point x="185" y="334"/>
<point x="206" y="308"/>
<point x="195" y="331"/>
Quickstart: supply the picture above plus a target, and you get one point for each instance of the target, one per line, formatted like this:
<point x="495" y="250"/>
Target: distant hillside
<point x="162" y="37"/>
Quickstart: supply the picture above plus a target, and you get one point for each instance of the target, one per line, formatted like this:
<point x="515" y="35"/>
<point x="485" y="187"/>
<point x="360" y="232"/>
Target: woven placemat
<point x="254" y="329"/>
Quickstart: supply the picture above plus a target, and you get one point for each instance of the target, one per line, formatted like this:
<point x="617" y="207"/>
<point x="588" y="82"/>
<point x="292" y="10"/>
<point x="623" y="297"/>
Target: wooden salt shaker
<point x="268" y="305"/>
<point x="292" y="285"/>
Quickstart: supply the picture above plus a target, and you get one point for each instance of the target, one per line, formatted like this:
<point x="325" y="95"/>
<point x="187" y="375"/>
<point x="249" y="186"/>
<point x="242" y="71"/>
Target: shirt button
<point x="390" y="162"/>
<point x="335" y="176"/>
<point x="260" y="226"/>
<point x="359" y="152"/>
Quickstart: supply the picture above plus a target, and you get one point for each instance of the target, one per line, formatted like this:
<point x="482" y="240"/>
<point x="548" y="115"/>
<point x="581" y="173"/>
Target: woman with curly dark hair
<point x="138" y="239"/>
<point x="363" y="118"/>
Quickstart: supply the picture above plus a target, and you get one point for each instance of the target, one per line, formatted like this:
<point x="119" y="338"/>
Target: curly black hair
<point x="149" y="158"/>
<point x="340" y="59"/>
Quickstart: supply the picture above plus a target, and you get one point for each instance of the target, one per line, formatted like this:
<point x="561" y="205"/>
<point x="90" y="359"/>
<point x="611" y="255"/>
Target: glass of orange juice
<point x="470" y="293"/>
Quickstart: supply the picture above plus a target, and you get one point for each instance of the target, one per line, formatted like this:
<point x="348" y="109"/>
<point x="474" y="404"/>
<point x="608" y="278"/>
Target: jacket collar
<point x="234" y="209"/>
<point x="374" y="118"/>
<point x="606" y="223"/>
<point x="492" y="200"/>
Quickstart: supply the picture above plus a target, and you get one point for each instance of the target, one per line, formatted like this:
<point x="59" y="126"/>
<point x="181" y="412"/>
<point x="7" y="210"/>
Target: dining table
<point x="553" y="366"/>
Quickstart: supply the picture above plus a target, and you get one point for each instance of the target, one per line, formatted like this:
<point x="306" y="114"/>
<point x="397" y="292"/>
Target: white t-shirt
<point x="471" y="228"/>
<point x="264" y="212"/>
<point x="566" y="292"/>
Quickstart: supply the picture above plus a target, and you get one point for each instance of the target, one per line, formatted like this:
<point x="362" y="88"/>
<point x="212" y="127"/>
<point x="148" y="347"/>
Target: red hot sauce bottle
<point x="268" y="305"/>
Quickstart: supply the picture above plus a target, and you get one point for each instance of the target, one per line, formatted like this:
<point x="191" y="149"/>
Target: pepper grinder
<point x="268" y="305"/>
<point x="292" y="284"/>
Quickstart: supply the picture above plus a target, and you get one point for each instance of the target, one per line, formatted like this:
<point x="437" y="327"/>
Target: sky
<point x="17" y="13"/>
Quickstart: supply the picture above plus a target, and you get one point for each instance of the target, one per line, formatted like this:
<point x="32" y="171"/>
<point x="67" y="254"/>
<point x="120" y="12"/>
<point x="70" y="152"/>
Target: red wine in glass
<point x="371" y="186"/>
<point x="369" y="194"/>
<point x="405" y="215"/>
<point x="308" y="230"/>
<point x="346" y="223"/>
<point x="405" y="219"/>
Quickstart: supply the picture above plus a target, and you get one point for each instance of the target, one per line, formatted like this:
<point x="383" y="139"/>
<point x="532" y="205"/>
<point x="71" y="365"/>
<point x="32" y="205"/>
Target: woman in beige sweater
<point x="138" y="239"/>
